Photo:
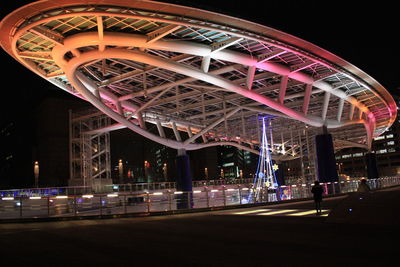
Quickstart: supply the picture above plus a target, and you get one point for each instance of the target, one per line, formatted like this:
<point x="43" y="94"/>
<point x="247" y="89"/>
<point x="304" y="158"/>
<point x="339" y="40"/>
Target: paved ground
<point x="261" y="236"/>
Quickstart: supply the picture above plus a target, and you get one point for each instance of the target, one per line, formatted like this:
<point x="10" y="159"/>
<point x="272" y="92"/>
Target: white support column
<point x="340" y="109"/>
<point x="160" y="129"/>
<point x="142" y="124"/>
<point x="189" y="131"/>
<point x="369" y="127"/>
<point x="204" y="138"/>
<point x="307" y="95"/>
<point x="250" y="77"/>
<point x="360" y="114"/>
<point x="176" y="132"/>
<point x="205" y="63"/>
<point x="100" y="30"/>
<point x="351" y="113"/>
<point x="325" y="105"/>
<point x="282" y="89"/>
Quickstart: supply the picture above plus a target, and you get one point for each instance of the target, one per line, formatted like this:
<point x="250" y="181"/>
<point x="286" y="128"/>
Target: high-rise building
<point x="38" y="137"/>
<point x="351" y="161"/>
<point x="234" y="163"/>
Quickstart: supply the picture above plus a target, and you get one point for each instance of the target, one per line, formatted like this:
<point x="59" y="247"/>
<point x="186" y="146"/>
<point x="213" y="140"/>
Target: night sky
<point x="363" y="35"/>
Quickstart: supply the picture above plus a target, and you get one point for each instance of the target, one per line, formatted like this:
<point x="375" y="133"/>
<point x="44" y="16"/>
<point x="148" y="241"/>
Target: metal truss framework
<point x="206" y="77"/>
<point x="90" y="163"/>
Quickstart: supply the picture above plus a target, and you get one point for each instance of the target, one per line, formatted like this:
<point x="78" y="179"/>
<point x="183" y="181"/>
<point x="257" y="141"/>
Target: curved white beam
<point x="73" y="78"/>
<point x="71" y="71"/>
<point x="122" y="39"/>
<point x="192" y="72"/>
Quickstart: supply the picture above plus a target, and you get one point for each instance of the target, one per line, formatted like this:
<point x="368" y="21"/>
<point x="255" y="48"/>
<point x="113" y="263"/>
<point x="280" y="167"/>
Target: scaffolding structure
<point x="90" y="164"/>
<point x="307" y="155"/>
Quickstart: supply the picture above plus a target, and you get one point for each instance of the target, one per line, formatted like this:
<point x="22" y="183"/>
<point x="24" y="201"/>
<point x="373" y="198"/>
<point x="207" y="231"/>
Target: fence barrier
<point x="127" y="202"/>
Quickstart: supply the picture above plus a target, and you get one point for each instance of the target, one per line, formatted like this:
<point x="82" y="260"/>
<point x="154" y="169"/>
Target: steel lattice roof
<point x="206" y="76"/>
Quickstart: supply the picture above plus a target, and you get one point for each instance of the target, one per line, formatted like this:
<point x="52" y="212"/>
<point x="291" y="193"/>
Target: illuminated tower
<point x="265" y="174"/>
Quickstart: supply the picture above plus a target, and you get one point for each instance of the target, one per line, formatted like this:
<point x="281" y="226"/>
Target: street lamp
<point x="120" y="171"/>
<point x="165" y="172"/>
<point x="146" y="165"/>
<point x="36" y="173"/>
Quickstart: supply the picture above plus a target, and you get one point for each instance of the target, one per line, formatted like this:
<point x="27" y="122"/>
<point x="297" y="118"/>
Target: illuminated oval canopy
<point x="205" y="76"/>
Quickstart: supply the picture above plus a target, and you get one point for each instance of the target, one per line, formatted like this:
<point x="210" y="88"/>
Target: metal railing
<point x="136" y="187"/>
<point x="120" y="203"/>
<point x="131" y="187"/>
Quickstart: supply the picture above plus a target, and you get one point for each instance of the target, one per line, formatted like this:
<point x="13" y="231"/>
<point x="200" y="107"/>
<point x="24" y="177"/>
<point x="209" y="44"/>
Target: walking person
<point x="317" y="191"/>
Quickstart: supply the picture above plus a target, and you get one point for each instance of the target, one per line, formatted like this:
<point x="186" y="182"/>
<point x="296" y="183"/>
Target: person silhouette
<point x="317" y="191"/>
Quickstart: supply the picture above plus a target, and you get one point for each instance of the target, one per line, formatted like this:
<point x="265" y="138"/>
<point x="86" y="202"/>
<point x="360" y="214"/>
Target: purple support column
<point x="325" y="158"/>
<point x="183" y="180"/>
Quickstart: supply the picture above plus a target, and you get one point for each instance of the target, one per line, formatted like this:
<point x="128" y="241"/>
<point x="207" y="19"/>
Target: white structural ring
<point x="120" y="39"/>
<point x="210" y="75"/>
<point x="71" y="67"/>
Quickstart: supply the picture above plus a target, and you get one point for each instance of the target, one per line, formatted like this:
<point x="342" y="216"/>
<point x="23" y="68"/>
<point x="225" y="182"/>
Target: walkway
<point x="218" y="238"/>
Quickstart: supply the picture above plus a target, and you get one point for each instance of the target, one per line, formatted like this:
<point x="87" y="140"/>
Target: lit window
<point x="390" y="143"/>
<point x="358" y="154"/>
<point x="346" y="156"/>
<point x="389" y="136"/>
<point x="381" y="151"/>
<point x="390" y="150"/>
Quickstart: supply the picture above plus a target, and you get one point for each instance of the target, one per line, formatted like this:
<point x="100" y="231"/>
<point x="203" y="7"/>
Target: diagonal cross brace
<point x="212" y="125"/>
